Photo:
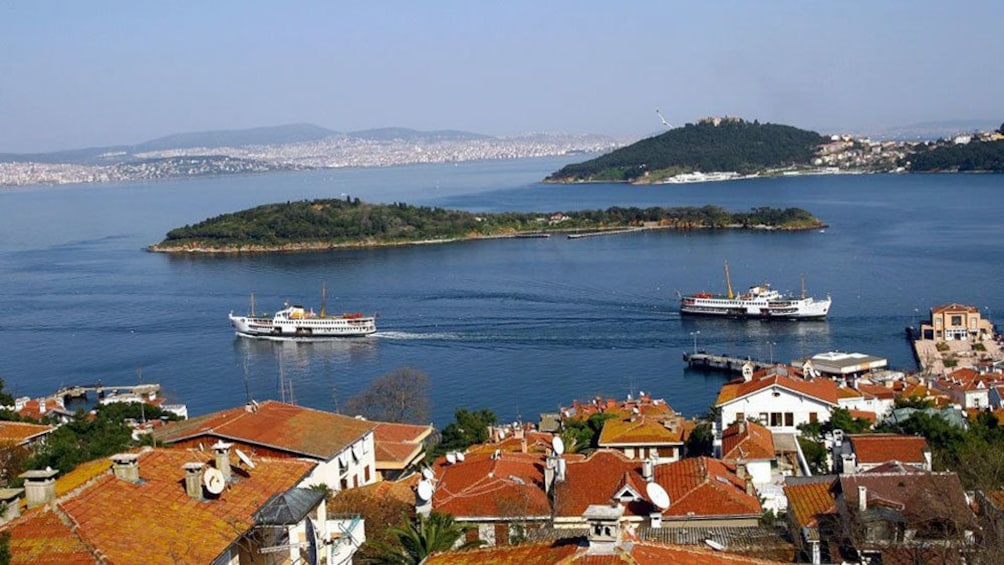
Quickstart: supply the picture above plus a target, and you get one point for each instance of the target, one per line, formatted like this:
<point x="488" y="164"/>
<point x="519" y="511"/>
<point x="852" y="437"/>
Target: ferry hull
<point x="316" y="328"/>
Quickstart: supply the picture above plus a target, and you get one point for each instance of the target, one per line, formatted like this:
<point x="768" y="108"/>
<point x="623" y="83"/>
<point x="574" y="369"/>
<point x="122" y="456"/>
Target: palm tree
<point x="419" y="538"/>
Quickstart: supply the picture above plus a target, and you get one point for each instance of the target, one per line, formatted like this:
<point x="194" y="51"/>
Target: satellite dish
<point x="425" y="490"/>
<point x="657" y="495"/>
<point x="213" y="480"/>
<point x="451" y="458"/>
<point x="428" y="474"/>
<point x="558" y="445"/>
<point x="244" y="459"/>
<point x="747" y="371"/>
<point x="460" y="456"/>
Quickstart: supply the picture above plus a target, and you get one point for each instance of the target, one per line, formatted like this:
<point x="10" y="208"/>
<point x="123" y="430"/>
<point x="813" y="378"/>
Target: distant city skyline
<point x="77" y="75"/>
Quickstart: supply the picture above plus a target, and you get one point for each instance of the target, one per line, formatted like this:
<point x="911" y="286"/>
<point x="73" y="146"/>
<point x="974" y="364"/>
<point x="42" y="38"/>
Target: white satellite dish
<point x="451" y="458"/>
<point x="425" y="490"/>
<point x="428" y="474"/>
<point x="657" y="495"/>
<point x="558" y="445"/>
<point x="244" y="459"/>
<point x="460" y="456"/>
<point x="213" y="480"/>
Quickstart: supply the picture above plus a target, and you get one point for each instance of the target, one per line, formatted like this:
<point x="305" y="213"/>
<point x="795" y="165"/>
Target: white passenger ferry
<point x="758" y="302"/>
<point x="296" y="322"/>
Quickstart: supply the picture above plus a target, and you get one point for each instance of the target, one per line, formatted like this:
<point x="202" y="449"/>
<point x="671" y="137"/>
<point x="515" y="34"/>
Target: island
<point x="713" y="144"/>
<point x="730" y="148"/>
<point x="351" y="223"/>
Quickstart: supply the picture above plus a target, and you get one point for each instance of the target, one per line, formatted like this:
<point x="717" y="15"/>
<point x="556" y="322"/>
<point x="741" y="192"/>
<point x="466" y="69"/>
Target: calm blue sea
<point x="518" y="326"/>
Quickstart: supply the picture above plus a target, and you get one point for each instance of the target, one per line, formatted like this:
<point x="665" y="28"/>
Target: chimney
<point x="549" y="471"/>
<point x="741" y="470"/>
<point x="126" y="466"/>
<point x="849" y="463"/>
<point x="522" y="445"/>
<point x="10" y="503"/>
<point x="750" y="489"/>
<point x="604" y="528"/>
<point x="646" y="470"/>
<point x="39" y="486"/>
<point x="862" y="498"/>
<point x="222" y="451"/>
<point x="193" y="479"/>
<point x="560" y="475"/>
<point x="655" y="519"/>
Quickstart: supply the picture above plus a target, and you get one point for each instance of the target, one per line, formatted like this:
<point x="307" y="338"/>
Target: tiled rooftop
<point x="14" y="433"/>
<point x="807" y="501"/>
<point x="822" y="389"/>
<point x="879" y="448"/>
<point x="747" y="440"/>
<point x="397" y="445"/>
<point x="707" y="487"/>
<point x="512" y="484"/>
<point x="42" y="537"/>
<point x="642" y="430"/>
<point x="155" y="521"/>
<point x="298" y="430"/>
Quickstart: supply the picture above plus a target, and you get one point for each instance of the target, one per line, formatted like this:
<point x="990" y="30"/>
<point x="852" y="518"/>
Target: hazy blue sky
<point x="76" y="74"/>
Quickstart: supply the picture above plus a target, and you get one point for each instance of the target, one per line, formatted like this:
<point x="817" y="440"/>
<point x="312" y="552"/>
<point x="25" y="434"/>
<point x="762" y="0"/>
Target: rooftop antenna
<point x="728" y="281"/>
<point x="142" y="403"/>
<point x="247" y="387"/>
<point x="252" y="303"/>
<point x="803" y="286"/>
<point x="664" y="122"/>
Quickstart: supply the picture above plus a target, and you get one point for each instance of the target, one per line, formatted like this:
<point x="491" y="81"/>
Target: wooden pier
<point x="81" y="391"/>
<point x="708" y="362"/>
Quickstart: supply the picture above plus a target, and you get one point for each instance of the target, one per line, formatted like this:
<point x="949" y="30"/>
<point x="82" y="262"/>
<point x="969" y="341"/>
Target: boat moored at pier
<point x="759" y="301"/>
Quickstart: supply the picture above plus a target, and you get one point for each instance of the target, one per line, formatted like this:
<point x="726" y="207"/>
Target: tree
<point x="841" y="419"/>
<point x="580" y="434"/>
<point x="401" y="396"/>
<point x="701" y="441"/>
<point x="419" y="538"/>
<point x="467" y="429"/>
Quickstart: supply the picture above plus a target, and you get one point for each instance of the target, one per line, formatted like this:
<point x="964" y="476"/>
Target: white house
<point x="778" y="397"/>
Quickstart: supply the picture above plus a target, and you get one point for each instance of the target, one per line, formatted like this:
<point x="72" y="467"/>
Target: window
<point x="813" y="418"/>
<point x="366" y="473"/>
<point x="763" y="418"/>
<point x="775" y="419"/>
<point x="956" y="320"/>
<point x="789" y="419"/>
<point x="740" y="416"/>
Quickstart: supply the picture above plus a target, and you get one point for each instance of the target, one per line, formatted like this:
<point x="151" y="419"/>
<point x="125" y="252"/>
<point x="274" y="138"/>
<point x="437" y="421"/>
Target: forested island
<point x="342" y="223"/>
<point x="985" y="156"/>
<point x="713" y="144"/>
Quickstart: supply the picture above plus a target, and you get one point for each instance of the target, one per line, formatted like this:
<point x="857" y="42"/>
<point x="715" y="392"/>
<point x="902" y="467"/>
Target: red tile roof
<point x="808" y="501"/>
<point x="295" y="429"/>
<point x="954" y="307"/>
<point x="879" y="448"/>
<point x="155" y="521"/>
<point x="43" y="537"/>
<point x="824" y="390"/>
<point x="747" y="441"/>
<point x="570" y="551"/>
<point x="707" y="487"/>
<point x="920" y="496"/>
<point x="398" y="445"/>
<point x="17" y="433"/>
<point x="642" y="430"/>
<point x="482" y="486"/>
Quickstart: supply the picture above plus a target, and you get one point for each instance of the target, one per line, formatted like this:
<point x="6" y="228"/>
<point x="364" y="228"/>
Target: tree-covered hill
<point x="728" y="145"/>
<point x="976" y="156"/>
<point x="325" y="224"/>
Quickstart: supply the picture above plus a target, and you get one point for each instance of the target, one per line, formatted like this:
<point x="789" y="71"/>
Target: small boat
<point x="294" y="321"/>
<point x="758" y="302"/>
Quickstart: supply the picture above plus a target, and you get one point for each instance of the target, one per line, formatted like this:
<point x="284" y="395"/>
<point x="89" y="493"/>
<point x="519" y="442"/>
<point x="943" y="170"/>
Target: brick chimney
<point x="39" y="486"/>
<point x="221" y="450"/>
<point x="126" y="466"/>
<point x="193" y="479"/>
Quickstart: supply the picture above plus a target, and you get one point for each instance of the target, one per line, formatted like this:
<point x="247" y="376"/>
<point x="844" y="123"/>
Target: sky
<point x="81" y="74"/>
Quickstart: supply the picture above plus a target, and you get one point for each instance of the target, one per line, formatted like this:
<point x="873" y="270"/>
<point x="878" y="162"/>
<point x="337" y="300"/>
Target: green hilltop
<point x="713" y="144"/>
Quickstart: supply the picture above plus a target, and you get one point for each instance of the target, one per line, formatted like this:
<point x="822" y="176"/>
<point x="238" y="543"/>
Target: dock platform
<point x="723" y="363"/>
<point x="81" y="391"/>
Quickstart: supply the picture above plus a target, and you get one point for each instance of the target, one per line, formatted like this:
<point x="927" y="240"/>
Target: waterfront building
<point x="838" y="364"/>
<point x="956" y="322"/>
<point x="778" y="397"/>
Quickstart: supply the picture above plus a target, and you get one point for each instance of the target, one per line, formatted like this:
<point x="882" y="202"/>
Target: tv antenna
<point x="664" y="122"/>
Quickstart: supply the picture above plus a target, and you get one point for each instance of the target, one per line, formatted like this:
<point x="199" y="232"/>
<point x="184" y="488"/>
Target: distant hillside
<point x="975" y="156"/>
<point x="272" y="135"/>
<point x="388" y="134"/>
<point x="727" y="145"/>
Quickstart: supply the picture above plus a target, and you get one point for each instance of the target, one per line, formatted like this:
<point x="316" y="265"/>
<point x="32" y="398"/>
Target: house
<point x="752" y="445"/>
<point x="703" y="492"/>
<point x="342" y="447"/>
<point x="607" y="539"/>
<point x="640" y="428"/>
<point x="968" y="388"/>
<point x="502" y="493"/>
<point x="890" y="514"/>
<point x="23" y="434"/>
<point x="956" y="322"/>
<point x="399" y="448"/>
<point x="778" y="397"/>
<point x="857" y="453"/>
<point x="178" y="505"/>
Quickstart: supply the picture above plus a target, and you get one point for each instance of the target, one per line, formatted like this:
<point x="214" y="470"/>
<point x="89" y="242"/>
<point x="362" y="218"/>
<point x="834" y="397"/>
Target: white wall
<point x="786" y="402"/>
<point x="357" y="458"/>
